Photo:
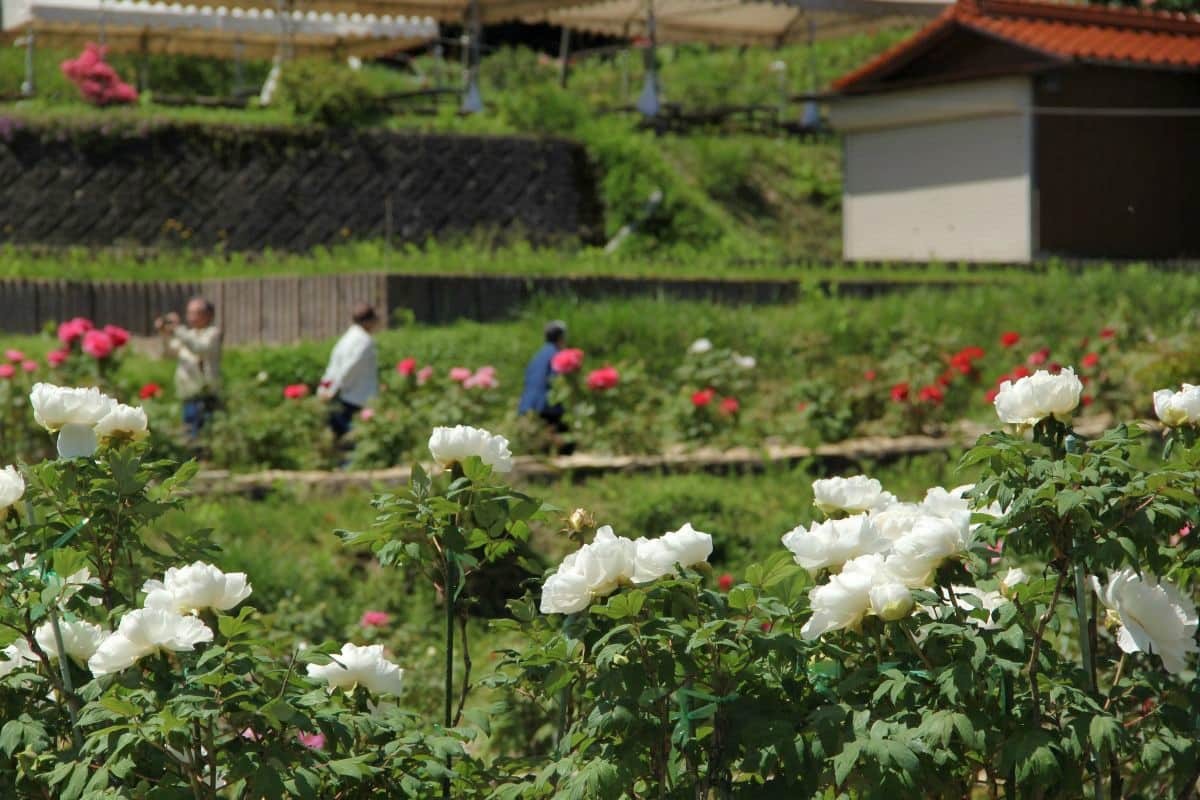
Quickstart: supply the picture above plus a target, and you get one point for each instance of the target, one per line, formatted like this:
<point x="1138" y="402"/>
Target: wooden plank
<point x="280" y="310"/>
<point x="18" y="306"/>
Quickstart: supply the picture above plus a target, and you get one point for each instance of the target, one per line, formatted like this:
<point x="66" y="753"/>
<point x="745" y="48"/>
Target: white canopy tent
<point x="217" y="31"/>
<point x="734" y="22"/>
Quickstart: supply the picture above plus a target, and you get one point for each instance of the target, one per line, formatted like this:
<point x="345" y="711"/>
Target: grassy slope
<point x="728" y="197"/>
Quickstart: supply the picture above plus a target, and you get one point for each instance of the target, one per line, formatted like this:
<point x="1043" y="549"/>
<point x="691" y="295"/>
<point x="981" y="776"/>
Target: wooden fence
<point x="277" y="310"/>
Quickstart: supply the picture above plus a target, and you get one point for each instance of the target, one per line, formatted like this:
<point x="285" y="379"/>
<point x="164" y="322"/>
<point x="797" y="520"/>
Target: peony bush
<point x="1030" y="633"/>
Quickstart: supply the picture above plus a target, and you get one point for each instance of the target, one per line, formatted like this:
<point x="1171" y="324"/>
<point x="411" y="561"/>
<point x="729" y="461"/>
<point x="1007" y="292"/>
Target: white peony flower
<point x="1013" y="578"/>
<point x="848" y="597"/>
<point x="12" y="488"/>
<point x="454" y="445"/>
<point x="597" y="569"/>
<point x="17" y="655"/>
<point x="123" y="421"/>
<point x="1154" y="616"/>
<point x="80" y="639"/>
<point x="359" y="666"/>
<point x="1178" y="408"/>
<point x="987" y="600"/>
<point x="745" y="362"/>
<point x="655" y="558"/>
<point x="832" y="543"/>
<point x="144" y="632"/>
<point x="852" y="495"/>
<point x="897" y="519"/>
<point x="931" y="540"/>
<point x="1040" y="395"/>
<point x="565" y="592"/>
<point x="196" y="587"/>
<point x="700" y="346"/>
<point x="57" y="406"/>
<point x="72" y="413"/>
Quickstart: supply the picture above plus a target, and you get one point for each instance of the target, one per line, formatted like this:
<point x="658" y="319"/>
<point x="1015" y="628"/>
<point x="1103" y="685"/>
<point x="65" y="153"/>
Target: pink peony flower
<point x="407" y="367"/>
<point x="56" y="358"/>
<point x="73" y="329"/>
<point x="725" y="582"/>
<point x="95" y="78"/>
<point x="295" y="391"/>
<point x="484" y="378"/>
<point x="460" y="374"/>
<point x="1038" y="357"/>
<point x="606" y="377"/>
<point x="7" y="371"/>
<point x="374" y="619"/>
<point x="567" y="360"/>
<point x="730" y="406"/>
<point x="29" y="365"/>
<point x="98" y="344"/>
<point x="248" y="733"/>
<point x="119" y="336"/>
<point x="367" y="414"/>
<point x="313" y="741"/>
<point x="14" y="355"/>
<point x="423" y="375"/>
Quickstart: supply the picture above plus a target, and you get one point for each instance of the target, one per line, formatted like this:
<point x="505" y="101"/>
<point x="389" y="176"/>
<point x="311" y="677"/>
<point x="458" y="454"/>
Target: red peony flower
<point x="1038" y="357"/>
<point x="295" y="391"/>
<point x="991" y="396"/>
<point x="900" y="392"/>
<point x="1054" y="367"/>
<point x="869" y="375"/>
<point x="56" y="358"/>
<point x="1019" y="372"/>
<point x="801" y="407"/>
<point x="1086" y="400"/>
<point x="931" y="394"/>
<point x="945" y="379"/>
<point x="149" y="390"/>
<point x="119" y="336"/>
<point x="1090" y="360"/>
<point x="1009" y="338"/>
<point x="725" y="582"/>
<point x="407" y="367"/>
<point x="703" y="397"/>
<point x="567" y="360"/>
<point x="1108" y="333"/>
<point x="604" y="378"/>
<point x="730" y="406"/>
<point x="98" y="344"/>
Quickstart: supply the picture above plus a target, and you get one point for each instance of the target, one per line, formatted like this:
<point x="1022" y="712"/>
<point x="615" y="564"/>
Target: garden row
<point x="643" y="376"/>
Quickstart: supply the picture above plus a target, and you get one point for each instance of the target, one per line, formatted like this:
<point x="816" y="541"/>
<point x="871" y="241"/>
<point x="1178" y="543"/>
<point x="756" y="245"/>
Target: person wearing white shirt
<point x="352" y="377"/>
<point x="197" y="347"/>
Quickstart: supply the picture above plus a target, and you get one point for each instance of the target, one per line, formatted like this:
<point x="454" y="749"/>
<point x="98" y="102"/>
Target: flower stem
<point x="451" y="577"/>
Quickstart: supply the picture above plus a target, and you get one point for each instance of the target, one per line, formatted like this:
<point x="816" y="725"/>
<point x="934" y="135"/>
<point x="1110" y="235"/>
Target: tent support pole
<point x="648" y="101"/>
<point x="472" y="99"/>
<point x="29" y="85"/>
<point x="564" y="53"/>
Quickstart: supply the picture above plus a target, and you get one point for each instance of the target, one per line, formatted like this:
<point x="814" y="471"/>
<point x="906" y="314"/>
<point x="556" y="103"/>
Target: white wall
<point x="938" y="174"/>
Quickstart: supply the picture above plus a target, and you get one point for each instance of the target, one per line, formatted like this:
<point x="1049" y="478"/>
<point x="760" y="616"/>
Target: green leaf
<point x="120" y="707"/>
<point x="844" y="761"/>
<point x="1104" y="732"/>
<point x="741" y="598"/>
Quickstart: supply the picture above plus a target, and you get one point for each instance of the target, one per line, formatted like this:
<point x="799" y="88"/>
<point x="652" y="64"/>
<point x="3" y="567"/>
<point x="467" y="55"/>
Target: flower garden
<point x="1016" y="619"/>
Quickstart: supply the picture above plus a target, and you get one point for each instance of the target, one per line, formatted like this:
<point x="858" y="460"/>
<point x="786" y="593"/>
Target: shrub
<point x="329" y="94"/>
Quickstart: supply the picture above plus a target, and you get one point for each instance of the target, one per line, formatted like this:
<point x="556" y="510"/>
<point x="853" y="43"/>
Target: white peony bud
<point x="852" y="495"/>
<point x="1178" y="408"/>
<point x="122" y="422"/>
<point x="12" y="488"/>
<point x="1038" y="396"/>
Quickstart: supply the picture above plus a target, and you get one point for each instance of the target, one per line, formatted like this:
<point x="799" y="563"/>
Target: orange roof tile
<point x="1065" y="32"/>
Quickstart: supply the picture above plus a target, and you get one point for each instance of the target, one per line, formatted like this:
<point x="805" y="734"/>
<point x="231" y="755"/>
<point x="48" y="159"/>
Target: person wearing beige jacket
<point x="197" y="349"/>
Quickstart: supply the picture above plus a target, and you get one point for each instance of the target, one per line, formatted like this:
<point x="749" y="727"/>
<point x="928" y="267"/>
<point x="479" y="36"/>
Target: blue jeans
<point x="197" y="411"/>
<point x="341" y="417"/>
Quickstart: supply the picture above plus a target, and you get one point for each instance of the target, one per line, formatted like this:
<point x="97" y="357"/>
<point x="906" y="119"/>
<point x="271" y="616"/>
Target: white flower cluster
<point x="598" y="569"/>
<point x="455" y="445"/>
<point x="702" y="346"/>
<point x="1152" y="616"/>
<point x="1038" y="396"/>
<point x="166" y="621"/>
<point x="1178" y="408"/>
<point x="83" y="418"/>
<point x="359" y="666"/>
<point x="880" y="552"/>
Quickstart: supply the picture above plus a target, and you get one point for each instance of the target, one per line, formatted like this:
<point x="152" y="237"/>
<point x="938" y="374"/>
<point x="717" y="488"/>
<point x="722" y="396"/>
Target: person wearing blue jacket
<point x="535" y="398"/>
